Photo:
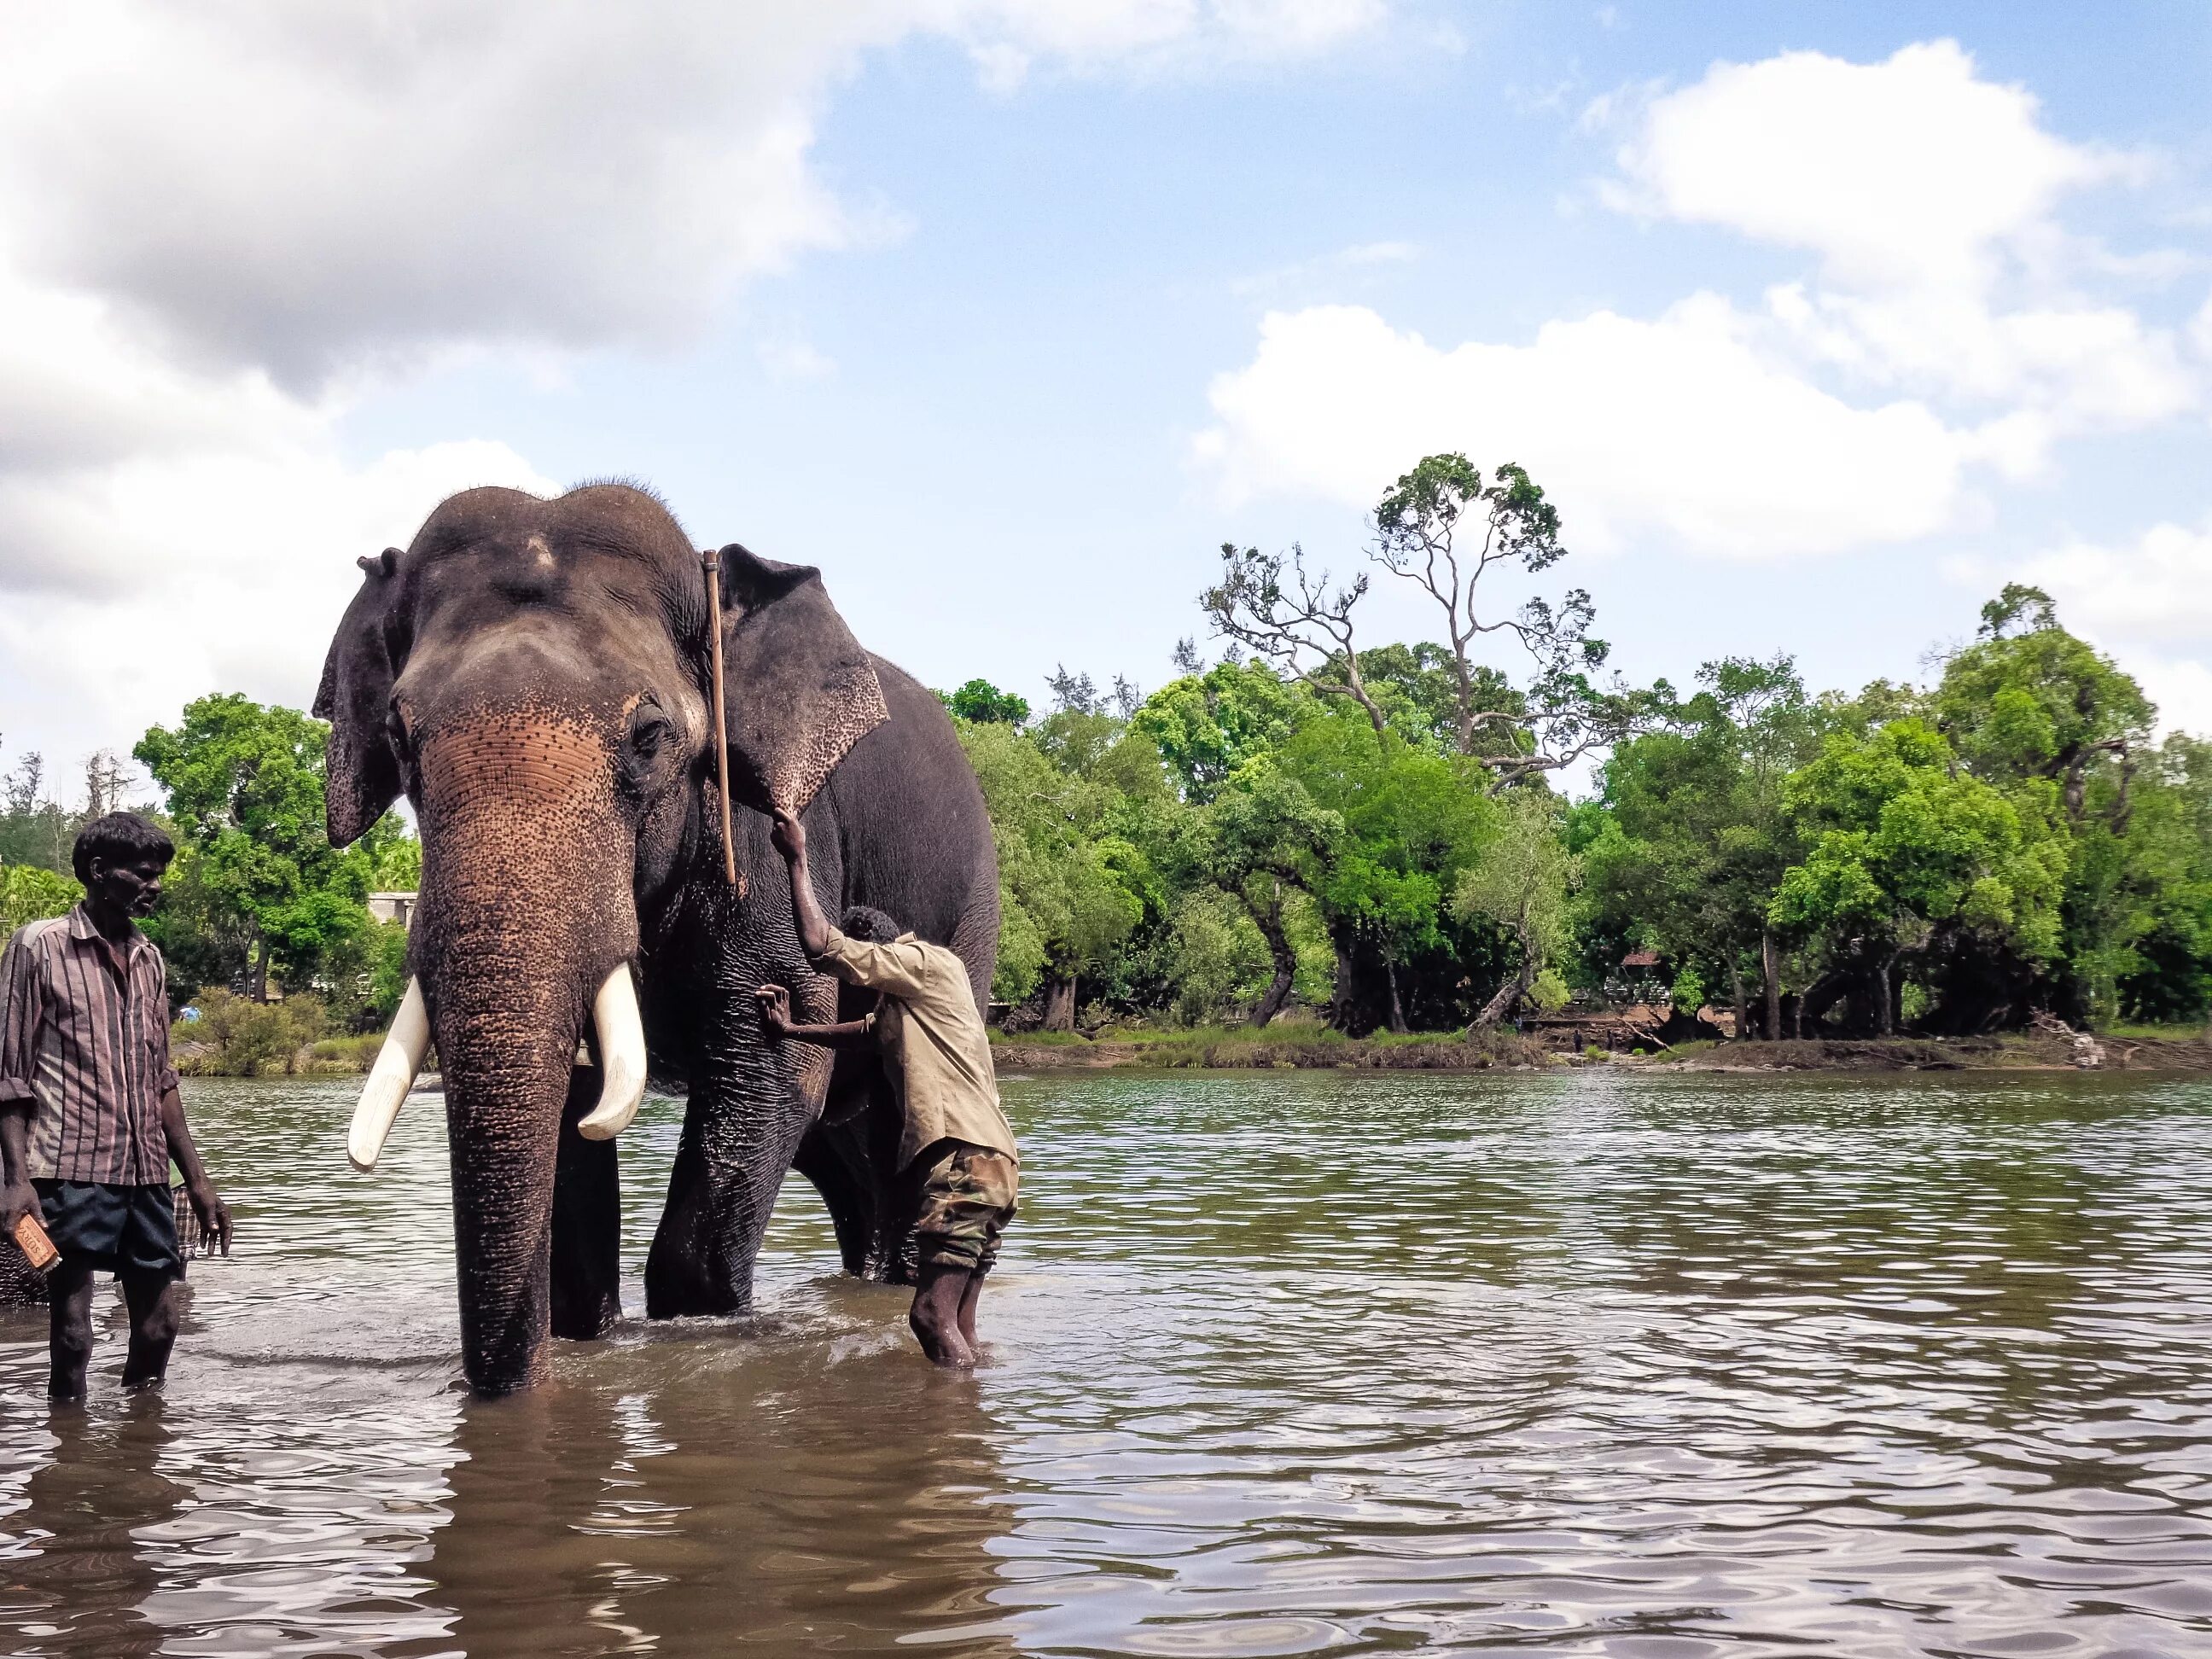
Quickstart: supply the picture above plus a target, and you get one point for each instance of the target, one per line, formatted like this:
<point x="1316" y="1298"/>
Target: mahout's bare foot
<point x="935" y="1316"/>
<point x="970" y="1297"/>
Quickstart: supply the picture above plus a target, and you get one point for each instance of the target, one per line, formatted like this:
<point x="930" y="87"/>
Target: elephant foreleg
<point x="587" y="1221"/>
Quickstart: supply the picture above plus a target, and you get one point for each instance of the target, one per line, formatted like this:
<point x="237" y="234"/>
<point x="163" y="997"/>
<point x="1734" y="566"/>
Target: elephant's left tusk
<point x="389" y="1079"/>
<point x="622" y="1057"/>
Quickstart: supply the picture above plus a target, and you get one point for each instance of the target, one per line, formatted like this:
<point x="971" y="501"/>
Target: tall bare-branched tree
<point x="1299" y="624"/>
<point x="1442" y="526"/>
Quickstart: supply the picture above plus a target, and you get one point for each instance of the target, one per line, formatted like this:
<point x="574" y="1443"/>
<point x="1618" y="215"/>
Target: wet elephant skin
<point x="534" y="676"/>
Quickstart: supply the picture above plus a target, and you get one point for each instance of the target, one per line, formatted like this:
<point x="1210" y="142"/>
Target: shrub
<point x="341" y="1056"/>
<point x="1220" y="960"/>
<point x="28" y="893"/>
<point x="1550" y="992"/>
<point x="236" y="1038"/>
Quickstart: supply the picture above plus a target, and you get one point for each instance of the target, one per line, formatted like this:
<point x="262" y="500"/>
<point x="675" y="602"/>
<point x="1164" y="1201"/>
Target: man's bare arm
<point x="776" y="1014"/>
<point x="17" y="1198"/>
<point x="789" y="838"/>
<point x="846" y="1034"/>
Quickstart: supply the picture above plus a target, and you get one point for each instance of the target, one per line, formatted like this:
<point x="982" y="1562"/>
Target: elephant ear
<point x="361" y="770"/>
<point x="799" y="691"/>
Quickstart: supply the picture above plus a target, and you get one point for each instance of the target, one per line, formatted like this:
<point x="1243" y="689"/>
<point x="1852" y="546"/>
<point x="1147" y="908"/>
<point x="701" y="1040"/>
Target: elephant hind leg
<point x="851" y="1164"/>
<point x="587" y="1288"/>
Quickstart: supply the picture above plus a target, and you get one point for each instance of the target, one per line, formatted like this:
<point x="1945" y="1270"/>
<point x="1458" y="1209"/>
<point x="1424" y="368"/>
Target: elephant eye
<point x="395" y="729"/>
<point x="649" y="731"/>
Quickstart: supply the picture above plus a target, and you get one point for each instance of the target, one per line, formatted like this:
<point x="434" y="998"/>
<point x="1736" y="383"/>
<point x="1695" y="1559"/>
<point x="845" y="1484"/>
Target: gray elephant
<point x="535" y="676"/>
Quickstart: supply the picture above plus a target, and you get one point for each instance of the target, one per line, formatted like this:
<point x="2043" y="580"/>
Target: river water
<point x="1295" y="1363"/>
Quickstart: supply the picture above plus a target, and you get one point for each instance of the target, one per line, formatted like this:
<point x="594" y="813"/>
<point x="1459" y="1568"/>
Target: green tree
<point x="1906" y="851"/>
<point x="1262" y="839"/>
<point x="1204" y="726"/>
<point x="1071" y="889"/>
<point x="34" y="828"/>
<point x="30" y="894"/>
<point x="1414" y="818"/>
<point x="1417" y="537"/>
<point x="2028" y="699"/>
<point x="1521" y="883"/>
<point x="985" y="704"/>
<point x="245" y="788"/>
<point x="1697" y="835"/>
<point x="2165" y="973"/>
<point x="1443" y="527"/>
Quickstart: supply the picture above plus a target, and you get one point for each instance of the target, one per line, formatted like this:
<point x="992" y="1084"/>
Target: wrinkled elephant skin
<point x="534" y="676"/>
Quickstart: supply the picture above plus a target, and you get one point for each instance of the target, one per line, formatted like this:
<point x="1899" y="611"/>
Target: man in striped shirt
<point x="89" y="1113"/>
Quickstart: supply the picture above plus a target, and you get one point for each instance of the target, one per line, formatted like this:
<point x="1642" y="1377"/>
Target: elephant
<point x="537" y="675"/>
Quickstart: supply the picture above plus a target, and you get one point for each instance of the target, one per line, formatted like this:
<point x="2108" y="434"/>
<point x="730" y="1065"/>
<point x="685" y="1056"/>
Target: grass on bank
<point x="1287" y="1042"/>
<point x="236" y="1037"/>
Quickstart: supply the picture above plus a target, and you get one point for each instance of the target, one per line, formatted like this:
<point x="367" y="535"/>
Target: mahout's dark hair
<point x="119" y="838"/>
<point x="868" y="925"/>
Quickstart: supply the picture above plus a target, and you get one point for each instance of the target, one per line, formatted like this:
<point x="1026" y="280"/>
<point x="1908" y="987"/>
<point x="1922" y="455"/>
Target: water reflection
<point x="781" y="1496"/>
<point x="78" y="1573"/>
<point x="1287" y="1363"/>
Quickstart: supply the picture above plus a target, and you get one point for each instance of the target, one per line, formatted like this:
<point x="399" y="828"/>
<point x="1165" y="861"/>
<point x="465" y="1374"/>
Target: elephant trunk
<point x="526" y="923"/>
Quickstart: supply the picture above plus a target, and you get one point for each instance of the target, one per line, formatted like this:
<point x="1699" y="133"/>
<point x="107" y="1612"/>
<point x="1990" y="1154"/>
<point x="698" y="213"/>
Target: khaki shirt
<point x="932" y="1041"/>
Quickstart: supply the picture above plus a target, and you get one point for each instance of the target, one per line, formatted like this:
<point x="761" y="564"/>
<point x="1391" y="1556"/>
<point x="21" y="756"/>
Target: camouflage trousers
<point x="968" y="1197"/>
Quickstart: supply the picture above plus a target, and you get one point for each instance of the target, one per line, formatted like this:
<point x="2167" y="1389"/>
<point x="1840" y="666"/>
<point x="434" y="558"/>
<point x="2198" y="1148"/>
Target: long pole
<point x="713" y="560"/>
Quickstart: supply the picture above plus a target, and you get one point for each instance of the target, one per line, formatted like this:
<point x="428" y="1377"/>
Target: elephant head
<point x="534" y="676"/>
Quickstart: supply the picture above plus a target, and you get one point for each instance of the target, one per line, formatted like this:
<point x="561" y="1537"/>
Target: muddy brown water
<point x="1282" y="1364"/>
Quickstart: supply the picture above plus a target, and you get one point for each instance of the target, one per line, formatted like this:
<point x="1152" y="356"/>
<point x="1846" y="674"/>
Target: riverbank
<point x="1241" y="1048"/>
<point x="1307" y="1047"/>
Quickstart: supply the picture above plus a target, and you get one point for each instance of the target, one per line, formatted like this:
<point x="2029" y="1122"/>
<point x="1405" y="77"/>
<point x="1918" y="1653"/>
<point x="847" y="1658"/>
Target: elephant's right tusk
<point x="389" y="1079"/>
<point x="622" y="1057"/>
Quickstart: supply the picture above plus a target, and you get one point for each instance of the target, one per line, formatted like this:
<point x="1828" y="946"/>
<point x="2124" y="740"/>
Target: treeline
<point x="1951" y="858"/>
<point x="1378" y="835"/>
<point x="1374" y="834"/>
<point x="257" y="901"/>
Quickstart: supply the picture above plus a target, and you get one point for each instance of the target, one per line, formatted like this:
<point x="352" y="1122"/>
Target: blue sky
<point x="1818" y="323"/>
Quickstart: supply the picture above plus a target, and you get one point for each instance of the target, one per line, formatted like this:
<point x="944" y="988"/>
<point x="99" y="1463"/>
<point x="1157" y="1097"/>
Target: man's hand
<point x="789" y="835"/>
<point x="776" y="1009"/>
<point x="214" y="1215"/>
<point x="16" y="1203"/>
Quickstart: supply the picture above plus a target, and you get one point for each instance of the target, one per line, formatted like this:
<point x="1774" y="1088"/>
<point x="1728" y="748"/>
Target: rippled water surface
<point x="1281" y="1363"/>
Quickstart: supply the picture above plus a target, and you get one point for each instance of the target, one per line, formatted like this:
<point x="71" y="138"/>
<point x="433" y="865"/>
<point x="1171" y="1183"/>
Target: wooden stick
<point x="713" y="560"/>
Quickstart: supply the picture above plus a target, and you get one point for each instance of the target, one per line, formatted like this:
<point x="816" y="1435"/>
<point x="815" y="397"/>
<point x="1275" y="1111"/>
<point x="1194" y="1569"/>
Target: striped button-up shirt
<point x="84" y="1038"/>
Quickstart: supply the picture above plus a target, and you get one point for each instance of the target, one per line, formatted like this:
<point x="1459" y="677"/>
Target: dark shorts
<point x="968" y="1197"/>
<point x="116" y="1229"/>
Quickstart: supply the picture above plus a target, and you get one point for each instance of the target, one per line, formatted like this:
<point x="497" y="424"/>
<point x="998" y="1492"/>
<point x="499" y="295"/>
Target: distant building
<point x="393" y="906"/>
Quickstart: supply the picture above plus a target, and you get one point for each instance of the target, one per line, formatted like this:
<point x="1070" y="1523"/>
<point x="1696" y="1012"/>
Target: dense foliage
<point x="1380" y="835"/>
<point x="1949" y="858"/>
<point x="256" y="893"/>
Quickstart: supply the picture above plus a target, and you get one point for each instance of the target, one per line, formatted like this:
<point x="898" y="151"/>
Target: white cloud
<point x="303" y="187"/>
<point x="1675" y="426"/>
<point x="2157" y="588"/>
<point x="2147" y="601"/>
<point x="1929" y="195"/>
<point x="2182" y="689"/>
<point x="1936" y="335"/>
<point x="219" y="223"/>
<point x="221" y="570"/>
<point x="1903" y="173"/>
<point x="794" y="360"/>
